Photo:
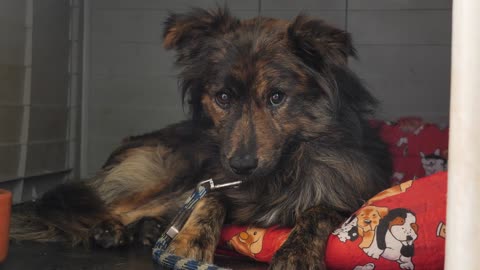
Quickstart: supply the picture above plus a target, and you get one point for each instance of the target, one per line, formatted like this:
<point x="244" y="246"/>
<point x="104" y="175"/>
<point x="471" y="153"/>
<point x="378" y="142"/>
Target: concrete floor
<point x="26" y="256"/>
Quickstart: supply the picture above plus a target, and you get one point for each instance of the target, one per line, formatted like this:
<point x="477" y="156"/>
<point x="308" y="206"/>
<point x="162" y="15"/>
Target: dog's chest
<point x="261" y="208"/>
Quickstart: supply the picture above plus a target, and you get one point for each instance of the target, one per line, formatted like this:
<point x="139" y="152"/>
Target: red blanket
<point x="400" y="228"/>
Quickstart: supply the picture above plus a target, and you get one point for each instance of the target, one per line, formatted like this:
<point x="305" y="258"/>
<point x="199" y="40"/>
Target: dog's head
<point x="404" y="228"/>
<point x="369" y="217"/>
<point x="401" y="224"/>
<point x="264" y="83"/>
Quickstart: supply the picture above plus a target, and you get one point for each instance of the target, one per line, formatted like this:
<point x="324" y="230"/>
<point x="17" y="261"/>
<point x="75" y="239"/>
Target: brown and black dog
<point x="273" y="103"/>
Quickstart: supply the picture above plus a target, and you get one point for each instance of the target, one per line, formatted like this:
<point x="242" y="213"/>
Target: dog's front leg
<point x="199" y="237"/>
<point x="305" y="247"/>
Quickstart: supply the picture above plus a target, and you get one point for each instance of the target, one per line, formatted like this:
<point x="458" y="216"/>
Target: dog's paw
<point x="193" y="247"/>
<point x="148" y="230"/>
<point x="373" y="252"/>
<point x="109" y="234"/>
<point x="286" y="259"/>
<point x="407" y="265"/>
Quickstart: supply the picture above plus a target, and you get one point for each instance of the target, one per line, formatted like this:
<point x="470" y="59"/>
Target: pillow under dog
<point x="402" y="227"/>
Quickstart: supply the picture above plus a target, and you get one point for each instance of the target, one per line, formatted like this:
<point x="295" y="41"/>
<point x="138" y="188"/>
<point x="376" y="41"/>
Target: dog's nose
<point x="368" y="221"/>
<point x="243" y="165"/>
<point x="409" y="238"/>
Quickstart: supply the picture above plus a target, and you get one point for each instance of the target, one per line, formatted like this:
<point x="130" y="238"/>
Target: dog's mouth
<point x="366" y="228"/>
<point x="407" y="241"/>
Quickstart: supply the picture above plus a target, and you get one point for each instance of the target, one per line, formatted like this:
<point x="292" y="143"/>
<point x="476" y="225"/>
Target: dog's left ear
<point x="184" y="29"/>
<point x="318" y="43"/>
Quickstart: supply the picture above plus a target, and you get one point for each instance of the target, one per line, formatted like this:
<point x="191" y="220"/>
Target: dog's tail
<point x="66" y="213"/>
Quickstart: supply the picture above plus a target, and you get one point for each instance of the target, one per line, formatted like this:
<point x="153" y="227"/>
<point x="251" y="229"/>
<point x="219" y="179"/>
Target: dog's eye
<point x="277" y="98"/>
<point x="222" y="99"/>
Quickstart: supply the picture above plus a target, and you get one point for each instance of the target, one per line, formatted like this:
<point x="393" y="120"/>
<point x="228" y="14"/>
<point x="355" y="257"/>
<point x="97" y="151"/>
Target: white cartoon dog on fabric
<point x="348" y="230"/>
<point x="394" y="238"/>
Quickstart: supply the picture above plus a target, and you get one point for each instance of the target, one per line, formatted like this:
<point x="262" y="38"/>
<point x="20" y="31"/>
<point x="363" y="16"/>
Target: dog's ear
<point x="183" y="29"/>
<point x="318" y="43"/>
<point x="382" y="211"/>
<point x="381" y="232"/>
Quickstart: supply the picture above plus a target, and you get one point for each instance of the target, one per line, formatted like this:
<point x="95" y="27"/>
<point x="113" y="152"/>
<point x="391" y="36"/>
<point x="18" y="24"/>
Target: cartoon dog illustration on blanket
<point x="385" y="233"/>
<point x="249" y="242"/>
<point x="394" y="238"/>
<point x="348" y="230"/>
<point x="433" y="162"/>
<point x="369" y="218"/>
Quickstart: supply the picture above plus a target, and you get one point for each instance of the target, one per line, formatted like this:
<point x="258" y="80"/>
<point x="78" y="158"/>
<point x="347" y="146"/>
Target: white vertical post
<point x="463" y="216"/>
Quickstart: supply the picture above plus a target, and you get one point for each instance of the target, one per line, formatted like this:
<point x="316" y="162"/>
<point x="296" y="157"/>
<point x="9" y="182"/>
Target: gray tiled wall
<point x="403" y="47"/>
<point x="404" y="54"/>
<point x="37" y="103"/>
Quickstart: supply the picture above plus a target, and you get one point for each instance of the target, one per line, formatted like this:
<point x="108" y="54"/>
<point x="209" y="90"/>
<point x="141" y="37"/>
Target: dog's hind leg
<point x="144" y="223"/>
<point x="141" y="193"/>
<point x="99" y="208"/>
<point x="200" y="235"/>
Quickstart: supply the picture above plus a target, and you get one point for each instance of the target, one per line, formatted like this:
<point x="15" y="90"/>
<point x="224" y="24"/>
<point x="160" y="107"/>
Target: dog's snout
<point x="244" y="164"/>
<point x="367" y="221"/>
<point x="409" y="238"/>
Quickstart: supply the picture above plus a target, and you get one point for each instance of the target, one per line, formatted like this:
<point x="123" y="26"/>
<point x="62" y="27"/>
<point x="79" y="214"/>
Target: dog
<point x="249" y="242"/>
<point x="395" y="237"/>
<point x="368" y="218"/>
<point x="348" y="230"/>
<point x="274" y="104"/>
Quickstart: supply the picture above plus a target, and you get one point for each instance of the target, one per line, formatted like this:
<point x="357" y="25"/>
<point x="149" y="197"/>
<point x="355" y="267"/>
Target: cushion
<point x="400" y="228"/>
<point x="418" y="148"/>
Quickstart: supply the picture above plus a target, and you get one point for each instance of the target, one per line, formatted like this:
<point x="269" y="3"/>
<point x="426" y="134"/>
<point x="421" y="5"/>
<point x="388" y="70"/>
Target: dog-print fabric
<point x="257" y="243"/>
<point x="402" y="227"/>
<point x="418" y="148"/>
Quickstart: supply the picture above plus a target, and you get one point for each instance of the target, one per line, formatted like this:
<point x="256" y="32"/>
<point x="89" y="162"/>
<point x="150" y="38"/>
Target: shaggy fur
<point x="274" y="104"/>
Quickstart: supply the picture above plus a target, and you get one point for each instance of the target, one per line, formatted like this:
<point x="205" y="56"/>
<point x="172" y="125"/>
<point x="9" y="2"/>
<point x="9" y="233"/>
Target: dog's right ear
<point x="190" y="28"/>
<point x="318" y="43"/>
<point x="382" y="211"/>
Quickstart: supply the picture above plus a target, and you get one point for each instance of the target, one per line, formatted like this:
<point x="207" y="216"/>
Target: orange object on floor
<point x="5" y="208"/>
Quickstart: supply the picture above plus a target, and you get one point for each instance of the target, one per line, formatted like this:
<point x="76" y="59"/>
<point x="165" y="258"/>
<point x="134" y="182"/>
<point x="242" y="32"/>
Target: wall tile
<point x="13" y="12"/>
<point x="11" y="123"/>
<point x="303" y="5"/>
<point x="48" y="123"/>
<point x="11" y="84"/>
<point x="9" y="156"/>
<point x="399" y="4"/>
<point x="120" y="122"/>
<point x="333" y="17"/>
<point x="408" y="80"/>
<point x="46" y="158"/>
<point x="131" y="91"/>
<point x="111" y="58"/>
<point x="400" y="27"/>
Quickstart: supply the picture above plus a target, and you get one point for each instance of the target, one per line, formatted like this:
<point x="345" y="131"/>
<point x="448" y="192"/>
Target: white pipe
<point x="463" y="207"/>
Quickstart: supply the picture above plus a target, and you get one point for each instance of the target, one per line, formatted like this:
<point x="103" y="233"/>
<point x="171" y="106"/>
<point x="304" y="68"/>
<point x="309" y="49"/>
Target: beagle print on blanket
<point x="394" y="238"/>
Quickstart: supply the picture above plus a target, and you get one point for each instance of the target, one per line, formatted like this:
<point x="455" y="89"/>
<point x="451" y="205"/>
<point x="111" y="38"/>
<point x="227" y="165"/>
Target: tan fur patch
<point x="145" y="170"/>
